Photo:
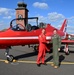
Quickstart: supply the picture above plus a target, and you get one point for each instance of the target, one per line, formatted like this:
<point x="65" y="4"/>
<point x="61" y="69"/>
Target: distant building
<point x="22" y="12"/>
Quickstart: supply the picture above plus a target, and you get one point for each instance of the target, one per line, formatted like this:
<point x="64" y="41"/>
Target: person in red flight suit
<point x="42" y="48"/>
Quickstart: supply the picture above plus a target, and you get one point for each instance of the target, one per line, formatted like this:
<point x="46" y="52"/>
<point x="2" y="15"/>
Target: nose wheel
<point x="10" y="58"/>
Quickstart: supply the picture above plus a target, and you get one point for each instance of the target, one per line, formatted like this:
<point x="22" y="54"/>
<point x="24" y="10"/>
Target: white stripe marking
<point x="25" y="38"/>
<point x="16" y="38"/>
<point x="21" y="38"/>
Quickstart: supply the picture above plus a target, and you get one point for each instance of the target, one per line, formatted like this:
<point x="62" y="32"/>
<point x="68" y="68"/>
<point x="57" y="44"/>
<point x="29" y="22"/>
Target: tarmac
<point x="26" y="63"/>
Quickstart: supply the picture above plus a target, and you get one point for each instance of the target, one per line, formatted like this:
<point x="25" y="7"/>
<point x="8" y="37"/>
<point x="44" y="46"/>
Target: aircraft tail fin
<point x="64" y="26"/>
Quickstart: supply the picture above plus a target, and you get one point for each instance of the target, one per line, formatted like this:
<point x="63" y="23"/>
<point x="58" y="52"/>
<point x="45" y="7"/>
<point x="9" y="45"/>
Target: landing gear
<point x="35" y="48"/>
<point x="67" y="53"/>
<point x="9" y="57"/>
<point x="66" y="50"/>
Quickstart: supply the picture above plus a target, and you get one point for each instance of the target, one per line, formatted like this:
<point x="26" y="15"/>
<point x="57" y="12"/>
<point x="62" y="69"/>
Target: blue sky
<point x="48" y="11"/>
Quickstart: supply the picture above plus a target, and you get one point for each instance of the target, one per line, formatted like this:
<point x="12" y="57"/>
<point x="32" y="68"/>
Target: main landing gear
<point x="66" y="50"/>
<point x="35" y="47"/>
<point x="9" y="57"/>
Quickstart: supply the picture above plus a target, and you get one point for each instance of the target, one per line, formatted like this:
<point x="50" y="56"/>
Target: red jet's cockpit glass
<point x="18" y="27"/>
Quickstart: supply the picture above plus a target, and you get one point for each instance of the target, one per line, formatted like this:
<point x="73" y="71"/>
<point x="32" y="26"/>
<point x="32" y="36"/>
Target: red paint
<point x="34" y="33"/>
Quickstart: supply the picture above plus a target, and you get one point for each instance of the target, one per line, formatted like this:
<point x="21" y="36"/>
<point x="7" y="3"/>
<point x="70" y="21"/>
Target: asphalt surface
<point x="26" y="63"/>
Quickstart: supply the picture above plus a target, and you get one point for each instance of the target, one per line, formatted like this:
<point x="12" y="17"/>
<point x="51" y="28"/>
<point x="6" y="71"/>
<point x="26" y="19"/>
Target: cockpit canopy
<point x="17" y="26"/>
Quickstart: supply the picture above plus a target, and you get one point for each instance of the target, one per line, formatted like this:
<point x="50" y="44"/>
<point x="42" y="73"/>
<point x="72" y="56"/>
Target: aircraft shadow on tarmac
<point x="61" y="58"/>
<point x="31" y="54"/>
<point x="71" y="51"/>
<point x="25" y="55"/>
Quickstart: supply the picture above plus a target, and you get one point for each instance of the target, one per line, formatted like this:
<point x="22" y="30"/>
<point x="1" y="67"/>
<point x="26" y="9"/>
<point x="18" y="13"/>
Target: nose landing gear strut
<point x="9" y="57"/>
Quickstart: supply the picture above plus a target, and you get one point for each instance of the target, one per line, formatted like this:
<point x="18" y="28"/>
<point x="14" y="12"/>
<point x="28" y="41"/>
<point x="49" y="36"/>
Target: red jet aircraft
<point x="18" y="34"/>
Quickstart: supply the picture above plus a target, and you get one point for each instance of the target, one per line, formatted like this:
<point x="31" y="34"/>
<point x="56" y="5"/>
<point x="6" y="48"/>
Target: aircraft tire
<point x="67" y="53"/>
<point x="10" y="58"/>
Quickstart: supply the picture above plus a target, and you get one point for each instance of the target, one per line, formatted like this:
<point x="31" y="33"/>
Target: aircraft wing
<point x="67" y="41"/>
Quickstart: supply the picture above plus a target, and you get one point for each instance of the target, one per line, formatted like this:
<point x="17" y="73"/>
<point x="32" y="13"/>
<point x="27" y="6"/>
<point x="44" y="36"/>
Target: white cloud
<point x="71" y="20"/>
<point x="32" y="22"/>
<point x="42" y="18"/>
<point x="70" y="27"/>
<point x="56" y="20"/>
<point x="1" y="24"/>
<point x="6" y="13"/>
<point x="8" y="17"/>
<point x="3" y="10"/>
<point x="40" y="5"/>
<point x="54" y="16"/>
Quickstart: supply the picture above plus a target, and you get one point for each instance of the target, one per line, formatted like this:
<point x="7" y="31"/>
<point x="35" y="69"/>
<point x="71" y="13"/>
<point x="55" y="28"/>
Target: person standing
<point x="42" y="48"/>
<point x="56" y="43"/>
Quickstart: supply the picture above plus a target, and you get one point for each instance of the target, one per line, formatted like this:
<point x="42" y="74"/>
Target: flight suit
<point x="56" y="42"/>
<point x="42" y="48"/>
